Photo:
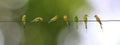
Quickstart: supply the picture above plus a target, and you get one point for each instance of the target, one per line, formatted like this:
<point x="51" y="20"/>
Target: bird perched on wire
<point x="85" y="20"/>
<point x="24" y="20"/>
<point x="65" y="18"/>
<point x="98" y="20"/>
<point x="53" y="19"/>
<point x="37" y="19"/>
<point x="76" y="21"/>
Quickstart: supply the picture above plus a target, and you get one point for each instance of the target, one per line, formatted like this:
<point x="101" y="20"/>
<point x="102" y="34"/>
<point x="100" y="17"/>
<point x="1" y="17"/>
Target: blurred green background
<point x="44" y="33"/>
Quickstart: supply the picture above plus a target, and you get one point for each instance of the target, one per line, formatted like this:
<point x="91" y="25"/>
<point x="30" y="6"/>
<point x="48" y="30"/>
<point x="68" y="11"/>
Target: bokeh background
<point x="44" y="33"/>
<point x="13" y="33"/>
<point x="57" y="33"/>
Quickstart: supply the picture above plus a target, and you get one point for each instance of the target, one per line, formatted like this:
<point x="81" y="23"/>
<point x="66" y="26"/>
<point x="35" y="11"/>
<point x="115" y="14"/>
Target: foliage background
<point x="44" y="33"/>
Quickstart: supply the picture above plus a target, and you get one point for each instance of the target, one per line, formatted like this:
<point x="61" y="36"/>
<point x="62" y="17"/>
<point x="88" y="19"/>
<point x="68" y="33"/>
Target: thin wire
<point x="73" y="21"/>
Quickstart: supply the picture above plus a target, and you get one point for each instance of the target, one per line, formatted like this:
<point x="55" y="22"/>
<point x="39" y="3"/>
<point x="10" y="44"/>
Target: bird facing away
<point x="85" y="20"/>
<point x="98" y="20"/>
<point x="37" y="19"/>
<point x="65" y="18"/>
<point x="76" y="21"/>
<point x="24" y="20"/>
<point x="53" y="19"/>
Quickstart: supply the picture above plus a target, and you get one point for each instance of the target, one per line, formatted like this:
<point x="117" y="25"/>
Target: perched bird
<point x="76" y="21"/>
<point x="53" y="19"/>
<point x="24" y="20"/>
<point x="65" y="17"/>
<point x="98" y="20"/>
<point x="37" y="19"/>
<point x="85" y="20"/>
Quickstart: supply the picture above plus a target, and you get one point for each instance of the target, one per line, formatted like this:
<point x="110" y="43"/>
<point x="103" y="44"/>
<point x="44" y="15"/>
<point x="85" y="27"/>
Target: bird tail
<point x="24" y="26"/>
<point x="86" y="25"/>
<point x="50" y="21"/>
<point x="77" y="25"/>
<point x="68" y="26"/>
<point x="101" y="25"/>
<point x="24" y="23"/>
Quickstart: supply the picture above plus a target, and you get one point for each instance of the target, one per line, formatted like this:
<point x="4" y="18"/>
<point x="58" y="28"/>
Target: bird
<point x="37" y="19"/>
<point x="76" y="21"/>
<point x="65" y="18"/>
<point x="53" y="19"/>
<point x="99" y="21"/>
<point x="85" y="20"/>
<point x="23" y="20"/>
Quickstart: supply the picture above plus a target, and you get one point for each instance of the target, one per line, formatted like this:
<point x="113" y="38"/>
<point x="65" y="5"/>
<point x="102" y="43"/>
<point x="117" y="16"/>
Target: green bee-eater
<point x="76" y="21"/>
<point x="24" y="20"/>
<point x="37" y="19"/>
<point x="65" y="17"/>
<point x="85" y="20"/>
<point x="98" y="20"/>
<point x="53" y="19"/>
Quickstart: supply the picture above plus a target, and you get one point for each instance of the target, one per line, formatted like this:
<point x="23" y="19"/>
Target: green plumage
<point x="76" y="21"/>
<point x="98" y="20"/>
<point x="85" y="20"/>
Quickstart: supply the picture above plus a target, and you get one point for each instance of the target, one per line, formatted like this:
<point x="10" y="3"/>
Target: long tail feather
<point x="86" y="25"/>
<point x="68" y="25"/>
<point x="101" y="27"/>
<point x="77" y="25"/>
